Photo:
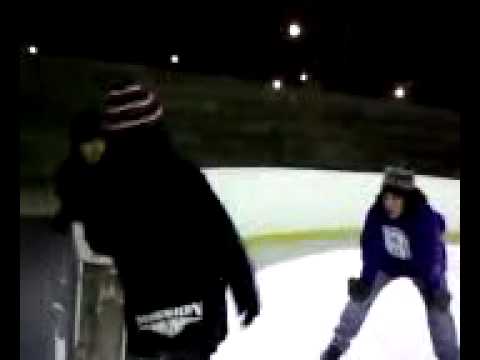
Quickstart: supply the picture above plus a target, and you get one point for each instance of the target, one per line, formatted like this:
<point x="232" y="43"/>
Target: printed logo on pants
<point x="172" y="321"/>
<point x="396" y="242"/>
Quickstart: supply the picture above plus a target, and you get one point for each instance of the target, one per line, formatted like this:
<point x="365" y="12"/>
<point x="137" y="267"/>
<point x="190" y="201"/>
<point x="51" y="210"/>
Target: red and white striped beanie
<point x="129" y="105"/>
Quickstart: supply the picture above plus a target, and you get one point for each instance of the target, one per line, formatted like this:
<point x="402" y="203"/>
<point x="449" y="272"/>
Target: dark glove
<point x="249" y="314"/>
<point x="358" y="290"/>
<point x="439" y="299"/>
<point x="60" y="224"/>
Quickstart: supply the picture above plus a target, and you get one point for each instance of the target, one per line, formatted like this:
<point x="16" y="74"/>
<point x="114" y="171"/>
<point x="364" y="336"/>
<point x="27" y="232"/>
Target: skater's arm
<point x="66" y="191"/>
<point x="231" y="260"/>
<point x="237" y="270"/>
<point x="369" y="251"/>
<point x="71" y="192"/>
<point x="241" y="279"/>
<point x="431" y="262"/>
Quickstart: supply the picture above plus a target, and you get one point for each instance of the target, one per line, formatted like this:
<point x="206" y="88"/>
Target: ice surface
<point x="301" y="303"/>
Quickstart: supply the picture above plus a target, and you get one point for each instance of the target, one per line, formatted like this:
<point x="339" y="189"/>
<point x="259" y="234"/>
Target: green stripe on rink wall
<point x="331" y="234"/>
<point x="41" y="202"/>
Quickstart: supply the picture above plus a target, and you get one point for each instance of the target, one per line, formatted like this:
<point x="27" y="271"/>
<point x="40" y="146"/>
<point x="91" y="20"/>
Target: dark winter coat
<point x="173" y="243"/>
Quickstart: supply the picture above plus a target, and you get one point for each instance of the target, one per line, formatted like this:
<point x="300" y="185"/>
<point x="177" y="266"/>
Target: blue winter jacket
<point x="411" y="246"/>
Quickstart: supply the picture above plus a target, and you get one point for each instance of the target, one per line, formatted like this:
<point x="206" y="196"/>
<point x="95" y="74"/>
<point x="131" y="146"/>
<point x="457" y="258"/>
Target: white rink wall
<point x="265" y="200"/>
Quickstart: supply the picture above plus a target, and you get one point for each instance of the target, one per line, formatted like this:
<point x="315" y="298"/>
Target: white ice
<point x="301" y="303"/>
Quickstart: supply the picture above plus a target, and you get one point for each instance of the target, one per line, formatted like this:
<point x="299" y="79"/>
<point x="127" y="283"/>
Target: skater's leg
<point x="443" y="334"/>
<point x="354" y="315"/>
<point x="175" y="355"/>
<point x="188" y="355"/>
<point x="442" y="328"/>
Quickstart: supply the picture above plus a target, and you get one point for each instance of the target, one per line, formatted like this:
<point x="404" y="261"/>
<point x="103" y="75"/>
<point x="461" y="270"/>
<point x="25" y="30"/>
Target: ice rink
<point x="301" y="303"/>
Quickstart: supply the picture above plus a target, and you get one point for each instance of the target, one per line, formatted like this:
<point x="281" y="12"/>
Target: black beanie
<point x="399" y="178"/>
<point x="85" y="126"/>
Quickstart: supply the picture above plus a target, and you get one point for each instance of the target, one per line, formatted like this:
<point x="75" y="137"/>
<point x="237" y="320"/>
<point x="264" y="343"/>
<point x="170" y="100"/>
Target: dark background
<point x="218" y="99"/>
<point x="350" y="48"/>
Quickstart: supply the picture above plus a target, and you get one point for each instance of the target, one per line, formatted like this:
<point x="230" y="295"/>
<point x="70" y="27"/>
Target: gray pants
<point x="440" y="323"/>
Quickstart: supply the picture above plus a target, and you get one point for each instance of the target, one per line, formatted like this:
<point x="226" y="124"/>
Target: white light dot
<point x="294" y="30"/>
<point x="32" y="50"/>
<point x="303" y="77"/>
<point x="277" y="84"/>
<point x="174" y="59"/>
<point x="399" y="92"/>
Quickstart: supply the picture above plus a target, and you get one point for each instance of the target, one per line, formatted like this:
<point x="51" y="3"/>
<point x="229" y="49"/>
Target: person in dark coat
<point x="402" y="237"/>
<point x="175" y="247"/>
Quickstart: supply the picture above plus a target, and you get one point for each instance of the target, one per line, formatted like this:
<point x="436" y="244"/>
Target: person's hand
<point x="440" y="299"/>
<point x="250" y="314"/>
<point x="358" y="290"/>
<point x="60" y="224"/>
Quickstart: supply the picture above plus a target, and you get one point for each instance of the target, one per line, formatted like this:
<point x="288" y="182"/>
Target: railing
<point x="99" y="328"/>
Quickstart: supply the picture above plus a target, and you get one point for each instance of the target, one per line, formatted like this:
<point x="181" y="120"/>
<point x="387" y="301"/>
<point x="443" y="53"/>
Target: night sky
<point x="352" y="51"/>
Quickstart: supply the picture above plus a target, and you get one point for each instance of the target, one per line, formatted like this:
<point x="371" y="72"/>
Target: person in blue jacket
<point x="402" y="236"/>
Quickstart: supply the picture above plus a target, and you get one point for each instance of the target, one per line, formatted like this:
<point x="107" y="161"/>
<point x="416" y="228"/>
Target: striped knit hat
<point x="130" y="104"/>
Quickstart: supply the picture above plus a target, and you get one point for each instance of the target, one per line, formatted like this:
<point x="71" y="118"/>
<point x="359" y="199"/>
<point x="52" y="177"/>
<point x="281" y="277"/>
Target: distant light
<point x="399" y="92"/>
<point x="294" y="30"/>
<point x="32" y="50"/>
<point x="277" y="84"/>
<point x="303" y="77"/>
<point x="174" y="59"/>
